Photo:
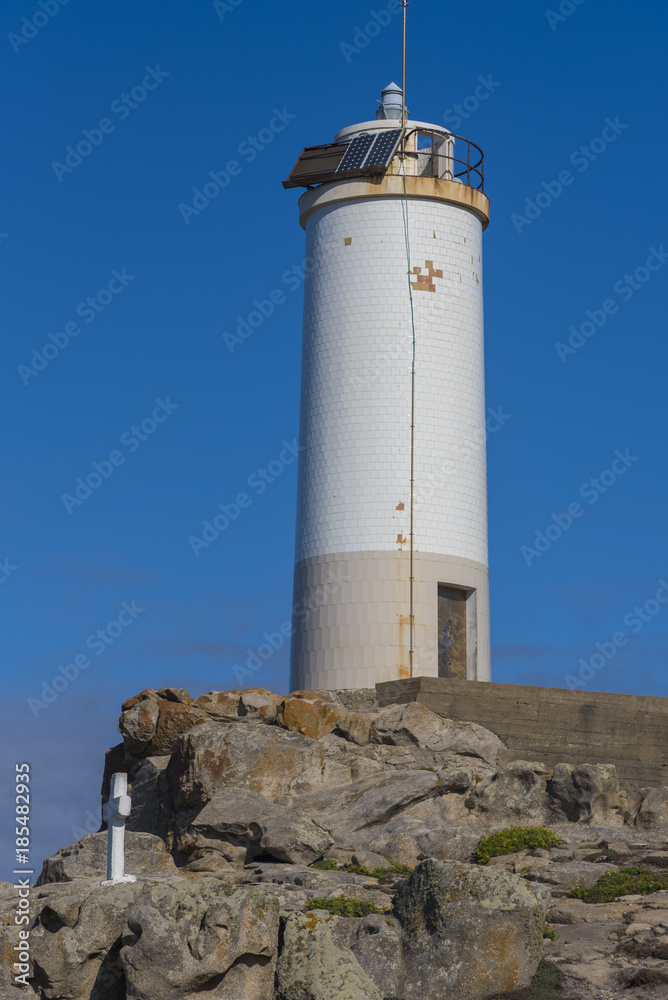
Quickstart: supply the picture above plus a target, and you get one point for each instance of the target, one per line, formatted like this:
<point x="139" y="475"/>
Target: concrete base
<point x="553" y="725"/>
<point x="351" y="621"/>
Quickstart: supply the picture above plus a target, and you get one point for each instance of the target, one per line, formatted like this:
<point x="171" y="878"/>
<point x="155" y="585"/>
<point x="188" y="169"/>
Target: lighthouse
<point x="391" y="566"/>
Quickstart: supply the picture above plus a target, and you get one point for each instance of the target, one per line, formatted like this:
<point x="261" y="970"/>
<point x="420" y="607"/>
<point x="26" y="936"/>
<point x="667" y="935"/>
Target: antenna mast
<point x="404" y="4"/>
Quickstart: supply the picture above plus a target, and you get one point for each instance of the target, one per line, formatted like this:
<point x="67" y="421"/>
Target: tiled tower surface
<point x="351" y="585"/>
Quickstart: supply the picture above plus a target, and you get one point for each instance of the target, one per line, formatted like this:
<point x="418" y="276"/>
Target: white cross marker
<point x="116" y="811"/>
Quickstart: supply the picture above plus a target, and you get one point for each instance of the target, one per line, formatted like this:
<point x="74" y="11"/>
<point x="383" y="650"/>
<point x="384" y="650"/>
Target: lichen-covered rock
<point x="145" y="854"/>
<point x="246" y="819"/>
<point x="313" y="965"/>
<point x="76" y="940"/>
<point x="311" y="713"/>
<point x="201" y="938"/>
<point x="376" y="944"/>
<point x="586" y="793"/>
<point x="139" y="719"/>
<point x="250" y="705"/>
<point x="468" y="931"/>
<point x="152" y="721"/>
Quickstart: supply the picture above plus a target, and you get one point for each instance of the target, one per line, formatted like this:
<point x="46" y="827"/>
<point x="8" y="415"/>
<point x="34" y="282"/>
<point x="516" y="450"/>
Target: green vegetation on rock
<point x="639" y="880"/>
<point x="327" y="865"/>
<point x="514" y="838"/>
<point x="342" y="907"/>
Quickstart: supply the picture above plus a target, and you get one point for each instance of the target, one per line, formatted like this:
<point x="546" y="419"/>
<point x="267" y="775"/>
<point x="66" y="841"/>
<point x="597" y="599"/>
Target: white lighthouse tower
<point x="391" y="569"/>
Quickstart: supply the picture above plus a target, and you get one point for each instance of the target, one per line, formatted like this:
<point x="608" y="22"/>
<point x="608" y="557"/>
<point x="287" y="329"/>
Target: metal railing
<point x="450" y="157"/>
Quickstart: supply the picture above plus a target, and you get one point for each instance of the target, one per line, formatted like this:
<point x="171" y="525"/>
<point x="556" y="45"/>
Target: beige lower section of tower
<point x="351" y="626"/>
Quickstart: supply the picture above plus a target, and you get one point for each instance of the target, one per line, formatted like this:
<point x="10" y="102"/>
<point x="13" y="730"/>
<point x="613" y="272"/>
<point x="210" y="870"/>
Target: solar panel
<point x="370" y="153"/>
<point x="355" y="155"/>
<point x="383" y="148"/>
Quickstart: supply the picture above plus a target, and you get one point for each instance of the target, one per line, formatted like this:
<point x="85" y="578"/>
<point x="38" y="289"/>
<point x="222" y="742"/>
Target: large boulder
<point x="355" y="813"/>
<point x="145" y="854"/>
<point x="157" y="939"/>
<point x="653" y="811"/>
<point x="468" y="931"/>
<point x="414" y="726"/>
<point x="312" y="713"/>
<point x="314" y="965"/>
<point x="586" y="793"/>
<point x="250" y="705"/>
<point x="242" y="818"/>
<point x="76" y="940"/>
<point x="152" y="721"/>
<point x="515" y="795"/>
<point x="262" y="759"/>
<point x="425" y="830"/>
<point x="185" y="940"/>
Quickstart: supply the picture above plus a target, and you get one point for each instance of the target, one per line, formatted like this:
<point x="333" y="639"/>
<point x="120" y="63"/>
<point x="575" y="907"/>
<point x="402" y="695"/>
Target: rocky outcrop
<point x="468" y="931"/>
<point x="314" y="965"/>
<point x="158" y="940"/>
<point x="653" y="809"/>
<point x="144" y="854"/>
<point x="236" y="794"/>
<point x="616" y="947"/>
<point x="186" y="940"/>
<point x="414" y="725"/>
<point x="77" y="937"/>
<point x="152" y="721"/>
<point x="586" y="793"/>
<point x="400" y="781"/>
<point x="245" y="819"/>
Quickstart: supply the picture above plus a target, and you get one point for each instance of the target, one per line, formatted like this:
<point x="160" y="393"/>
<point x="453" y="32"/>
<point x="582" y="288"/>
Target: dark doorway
<point x="451" y="631"/>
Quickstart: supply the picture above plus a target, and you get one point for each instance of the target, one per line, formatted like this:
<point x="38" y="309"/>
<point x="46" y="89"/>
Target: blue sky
<point x="252" y="83"/>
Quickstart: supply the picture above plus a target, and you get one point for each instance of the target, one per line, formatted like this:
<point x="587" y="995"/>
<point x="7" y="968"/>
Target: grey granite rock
<point x="468" y="931"/>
